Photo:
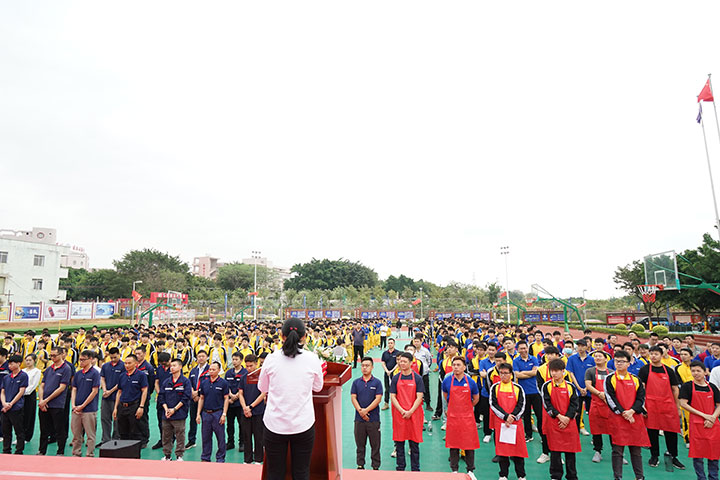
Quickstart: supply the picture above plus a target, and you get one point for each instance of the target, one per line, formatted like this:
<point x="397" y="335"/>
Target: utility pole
<point x="256" y="257"/>
<point x="505" y="251"/>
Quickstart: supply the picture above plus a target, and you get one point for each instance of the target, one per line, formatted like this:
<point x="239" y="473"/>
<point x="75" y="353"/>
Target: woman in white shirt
<point x="289" y="376"/>
<point x="30" y="406"/>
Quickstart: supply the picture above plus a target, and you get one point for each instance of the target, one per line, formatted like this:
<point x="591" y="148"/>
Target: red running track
<point x="33" y="467"/>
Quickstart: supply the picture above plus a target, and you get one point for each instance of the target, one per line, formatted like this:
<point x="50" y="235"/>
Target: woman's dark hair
<point x="293" y="330"/>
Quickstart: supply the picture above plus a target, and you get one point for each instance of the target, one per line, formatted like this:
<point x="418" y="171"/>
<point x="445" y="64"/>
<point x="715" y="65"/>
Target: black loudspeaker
<point x="120" y="449"/>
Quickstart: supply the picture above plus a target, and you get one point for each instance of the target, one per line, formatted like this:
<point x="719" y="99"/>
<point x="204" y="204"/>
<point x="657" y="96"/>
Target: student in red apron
<point x="461" y="395"/>
<point x="560" y="403"/>
<point x="406" y="396"/>
<point x="625" y="396"/>
<point x="599" y="413"/>
<point x="661" y="402"/>
<point x="507" y="403"/>
<point x="702" y="400"/>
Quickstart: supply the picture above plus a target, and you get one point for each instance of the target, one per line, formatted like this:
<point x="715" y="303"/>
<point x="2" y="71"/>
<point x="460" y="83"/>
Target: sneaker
<point x="678" y="464"/>
<point x="544" y="458"/>
<point x="584" y="431"/>
<point x="435" y="417"/>
<point x="442" y="428"/>
<point x="528" y="439"/>
<point x="521" y="478"/>
<point x="654" y="461"/>
<point x="158" y="445"/>
<point x="429" y="408"/>
<point x="487" y="438"/>
<point x="477" y="425"/>
<point x="597" y="458"/>
<point x="471" y="475"/>
<point x="385" y="406"/>
<point x="502" y="478"/>
<point x="394" y="453"/>
<point x="625" y="462"/>
<point x="535" y="429"/>
<point x="189" y="445"/>
<point x="179" y="459"/>
<point x="361" y="467"/>
<point x="164" y="459"/>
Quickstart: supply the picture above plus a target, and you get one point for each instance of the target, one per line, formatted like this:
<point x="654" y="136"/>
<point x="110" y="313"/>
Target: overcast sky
<point x="415" y="137"/>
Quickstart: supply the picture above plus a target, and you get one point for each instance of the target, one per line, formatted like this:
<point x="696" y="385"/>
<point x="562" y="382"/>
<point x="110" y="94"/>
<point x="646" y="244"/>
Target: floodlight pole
<point x="505" y="251"/>
<point x="255" y="256"/>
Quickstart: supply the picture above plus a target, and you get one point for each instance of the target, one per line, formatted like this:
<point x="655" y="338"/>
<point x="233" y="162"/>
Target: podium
<point x="326" y="459"/>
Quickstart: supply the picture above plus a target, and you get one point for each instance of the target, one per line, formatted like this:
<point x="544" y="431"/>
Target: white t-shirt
<point x="34" y="375"/>
<point x="289" y="383"/>
<point x="383" y="331"/>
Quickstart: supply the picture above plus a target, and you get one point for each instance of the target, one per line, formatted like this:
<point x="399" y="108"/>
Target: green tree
<point x="328" y="274"/>
<point x="704" y="263"/>
<point x="399" y="283"/>
<point x="155" y="269"/>
<point x="104" y="283"/>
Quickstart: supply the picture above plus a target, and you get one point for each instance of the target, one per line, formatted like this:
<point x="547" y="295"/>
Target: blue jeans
<point x="210" y="425"/>
<point x="414" y="456"/>
<point x="699" y="464"/>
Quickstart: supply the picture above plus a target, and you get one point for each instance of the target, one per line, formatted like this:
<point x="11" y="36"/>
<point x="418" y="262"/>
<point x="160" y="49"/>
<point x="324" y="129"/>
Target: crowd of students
<point x="496" y="383"/>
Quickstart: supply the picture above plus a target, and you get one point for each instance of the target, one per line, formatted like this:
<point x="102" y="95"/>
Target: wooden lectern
<point x="326" y="460"/>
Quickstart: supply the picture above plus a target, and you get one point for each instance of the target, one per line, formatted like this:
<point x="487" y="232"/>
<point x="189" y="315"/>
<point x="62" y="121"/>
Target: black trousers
<point x="363" y="432"/>
<point x="469" y="459"/>
<point x="533" y="403"/>
<point x="252" y="432"/>
<point x="598" y="442"/>
<point x="556" y="466"/>
<point x="426" y="383"/>
<point x="383" y="341"/>
<point x="387" y="388"/>
<point x="128" y="425"/>
<point x="276" y="449"/>
<point x="635" y="459"/>
<point x="29" y="414"/>
<point x="234" y="415"/>
<point x="504" y="464"/>
<point x="192" y="434"/>
<point x="438" y="404"/>
<point x="670" y="443"/>
<point x="358" y="352"/>
<point x="13" y="420"/>
<point x="53" y="422"/>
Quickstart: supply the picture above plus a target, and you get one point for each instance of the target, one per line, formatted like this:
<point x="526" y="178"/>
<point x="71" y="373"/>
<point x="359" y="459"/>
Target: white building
<point x="32" y="264"/>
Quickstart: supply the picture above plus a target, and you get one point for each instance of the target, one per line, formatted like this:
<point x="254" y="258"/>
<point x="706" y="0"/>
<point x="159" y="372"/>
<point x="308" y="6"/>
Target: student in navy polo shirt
<point x="253" y="407"/>
<point x="145" y="367"/>
<point x="525" y="367"/>
<point x="84" y="404"/>
<point x="365" y="394"/>
<point x="389" y="362"/>
<point x="174" y="398"/>
<point x="195" y="377"/>
<point x="12" y="391"/>
<point x="162" y="372"/>
<point x="52" y="394"/>
<point x="130" y="401"/>
<point x="212" y="412"/>
<point x="109" y="376"/>
<point x="235" y="412"/>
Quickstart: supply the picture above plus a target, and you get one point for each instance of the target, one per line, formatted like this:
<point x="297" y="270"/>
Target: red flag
<point x="503" y="295"/>
<point x="136" y="296"/>
<point x="582" y="305"/>
<point x="253" y="294"/>
<point x="706" y="94"/>
<point x="418" y="301"/>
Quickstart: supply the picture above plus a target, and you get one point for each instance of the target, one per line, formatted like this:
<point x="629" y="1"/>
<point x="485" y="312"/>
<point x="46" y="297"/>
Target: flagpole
<point x="712" y="183"/>
<point x="717" y="125"/>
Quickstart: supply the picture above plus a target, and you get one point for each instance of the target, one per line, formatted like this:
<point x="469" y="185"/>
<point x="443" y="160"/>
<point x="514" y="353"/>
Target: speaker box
<point x="120" y="449"/>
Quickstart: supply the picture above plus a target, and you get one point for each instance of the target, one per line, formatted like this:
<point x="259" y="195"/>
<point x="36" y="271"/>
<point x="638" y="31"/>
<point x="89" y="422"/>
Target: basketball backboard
<point x="661" y="269"/>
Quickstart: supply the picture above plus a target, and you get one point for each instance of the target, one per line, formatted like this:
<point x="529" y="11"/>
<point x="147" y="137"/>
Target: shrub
<point x="637" y="328"/>
<point x="661" y="330"/>
<point x="620" y="326"/>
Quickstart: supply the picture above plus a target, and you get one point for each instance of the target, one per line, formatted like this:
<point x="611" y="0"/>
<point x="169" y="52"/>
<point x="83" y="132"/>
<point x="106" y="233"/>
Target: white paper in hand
<point x="508" y="434"/>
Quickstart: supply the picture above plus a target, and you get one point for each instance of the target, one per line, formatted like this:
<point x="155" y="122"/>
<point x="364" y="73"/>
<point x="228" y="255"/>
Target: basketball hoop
<point x="530" y="301"/>
<point x="648" y="292"/>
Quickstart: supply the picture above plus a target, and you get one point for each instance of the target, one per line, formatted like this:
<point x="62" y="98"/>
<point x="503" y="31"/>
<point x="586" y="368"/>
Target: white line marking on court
<point x="13" y="473"/>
